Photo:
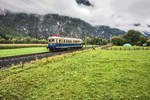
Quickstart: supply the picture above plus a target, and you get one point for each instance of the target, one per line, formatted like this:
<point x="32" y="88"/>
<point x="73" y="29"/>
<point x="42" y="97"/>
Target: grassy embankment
<point x="90" y="45"/>
<point x="91" y="74"/>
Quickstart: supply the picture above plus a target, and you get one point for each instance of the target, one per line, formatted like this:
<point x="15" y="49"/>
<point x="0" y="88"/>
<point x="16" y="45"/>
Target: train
<point x="57" y="43"/>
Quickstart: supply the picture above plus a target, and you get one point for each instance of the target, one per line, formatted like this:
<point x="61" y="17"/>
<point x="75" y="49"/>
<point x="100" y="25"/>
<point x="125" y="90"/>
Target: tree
<point x="148" y="43"/>
<point x="104" y="42"/>
<point x="96" y="41"/>
<point x="132" y="37"/>
<point x="142" y="40"/>
<point x="87" y="40"/>
<point x="116" y="40"/>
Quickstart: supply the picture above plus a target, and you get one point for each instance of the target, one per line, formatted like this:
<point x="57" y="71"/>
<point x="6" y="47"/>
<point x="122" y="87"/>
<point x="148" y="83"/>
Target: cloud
<point x="62" y="7"/>
<point x="115" y="13"/>
<point x="84" y="2"/>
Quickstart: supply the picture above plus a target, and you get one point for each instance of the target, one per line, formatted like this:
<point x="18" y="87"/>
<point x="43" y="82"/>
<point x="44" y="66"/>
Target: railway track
<point x="6" y="62"/>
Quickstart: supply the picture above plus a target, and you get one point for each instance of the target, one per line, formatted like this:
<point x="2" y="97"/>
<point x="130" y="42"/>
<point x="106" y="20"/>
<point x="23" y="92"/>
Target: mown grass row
<point x="12" y="46"/>
<point x="90" y="74"/>
<point x="130" y="47"/>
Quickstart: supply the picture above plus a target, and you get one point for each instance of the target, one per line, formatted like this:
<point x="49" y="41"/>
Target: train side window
<point x="59" y="41"/>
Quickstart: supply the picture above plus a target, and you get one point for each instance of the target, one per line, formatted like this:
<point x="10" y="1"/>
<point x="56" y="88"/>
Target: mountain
<point x="14" y="25"/>
<point x="107" y="32"/>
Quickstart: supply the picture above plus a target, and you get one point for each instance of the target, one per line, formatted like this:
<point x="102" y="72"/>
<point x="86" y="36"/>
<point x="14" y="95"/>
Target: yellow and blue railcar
<point x="63" y="43"/>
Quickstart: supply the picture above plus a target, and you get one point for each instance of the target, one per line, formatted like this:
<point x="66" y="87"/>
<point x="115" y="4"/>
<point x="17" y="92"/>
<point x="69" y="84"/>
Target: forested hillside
<point x="21" y="25"/>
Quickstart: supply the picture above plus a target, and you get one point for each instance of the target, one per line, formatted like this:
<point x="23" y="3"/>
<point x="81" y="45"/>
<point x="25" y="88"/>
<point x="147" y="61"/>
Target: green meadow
<point x="25" y="50"/>
<point x="83" y="75"/>
<point x="14" y="46"/>
<point x="22" y="51"/>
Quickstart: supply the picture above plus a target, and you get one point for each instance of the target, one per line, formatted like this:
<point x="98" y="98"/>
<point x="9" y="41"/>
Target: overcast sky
<point x="115" y="13"/>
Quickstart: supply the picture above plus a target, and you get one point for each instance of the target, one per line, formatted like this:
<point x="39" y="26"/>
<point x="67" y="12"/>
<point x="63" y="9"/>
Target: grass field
<point x="21" y="51"/>
<point x="85" y="75"/>
<point x="12" y="46"/>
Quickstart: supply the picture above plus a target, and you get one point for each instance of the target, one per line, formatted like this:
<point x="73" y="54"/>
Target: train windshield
<point x="51" y="40"/>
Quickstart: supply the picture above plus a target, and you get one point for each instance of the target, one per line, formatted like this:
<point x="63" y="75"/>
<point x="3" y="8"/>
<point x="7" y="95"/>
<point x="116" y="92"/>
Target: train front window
<point x="51" y="40"/>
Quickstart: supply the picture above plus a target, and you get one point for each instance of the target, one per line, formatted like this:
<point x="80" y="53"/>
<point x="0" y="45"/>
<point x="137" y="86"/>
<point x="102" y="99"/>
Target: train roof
<point x="66" y="38"/>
